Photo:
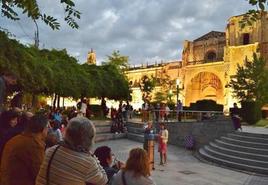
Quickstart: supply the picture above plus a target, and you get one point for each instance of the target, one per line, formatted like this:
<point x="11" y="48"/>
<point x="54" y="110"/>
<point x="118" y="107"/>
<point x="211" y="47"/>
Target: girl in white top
<point x="162" y="145"/>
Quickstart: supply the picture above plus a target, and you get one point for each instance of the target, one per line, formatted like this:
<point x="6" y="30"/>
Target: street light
<point x="177" y="86"/>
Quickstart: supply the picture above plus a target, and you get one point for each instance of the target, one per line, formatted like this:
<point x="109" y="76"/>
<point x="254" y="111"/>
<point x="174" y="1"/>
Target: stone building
<point x="91" y="57"/>
<point x="208" y="62"/>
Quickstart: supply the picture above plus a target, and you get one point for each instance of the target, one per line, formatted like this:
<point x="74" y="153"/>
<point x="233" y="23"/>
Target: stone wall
<point x="203" y="131"/>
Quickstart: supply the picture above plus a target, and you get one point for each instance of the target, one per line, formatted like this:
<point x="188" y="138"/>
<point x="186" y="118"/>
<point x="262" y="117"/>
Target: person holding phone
<point x="107" y="159"/>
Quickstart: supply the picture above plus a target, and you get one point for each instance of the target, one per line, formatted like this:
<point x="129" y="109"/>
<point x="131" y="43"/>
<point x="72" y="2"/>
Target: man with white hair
<point x="72" y="162"/>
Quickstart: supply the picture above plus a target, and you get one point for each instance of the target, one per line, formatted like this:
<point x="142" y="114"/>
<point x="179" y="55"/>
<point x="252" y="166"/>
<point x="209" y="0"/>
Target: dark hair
<point x="6" y="117"/>
<point x="37" y="123"/>
<point x="103" y="153"/>
<point x="163" y="124"/>
<point x="24" y="120"/>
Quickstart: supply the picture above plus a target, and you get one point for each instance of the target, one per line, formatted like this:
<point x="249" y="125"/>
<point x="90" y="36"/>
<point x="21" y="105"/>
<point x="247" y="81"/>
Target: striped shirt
<point x="69" y="167"/>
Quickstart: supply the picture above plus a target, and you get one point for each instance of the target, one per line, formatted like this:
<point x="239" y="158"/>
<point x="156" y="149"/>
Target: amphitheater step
<point x="134" y="124"/>
<point x="103" y="129"/>
<point x="109" y="136"/>
<point x="250" y="138"/>
<point x="135" y="130"/>
<point x="239" y="153"/>
<point x="253" y="134"/>
<point x="236" y="165"/>
<point x="237" y="159"/>
<point x="135" y="137"/>
<point x="241" y="148"/>
<point x="244" y="143"/>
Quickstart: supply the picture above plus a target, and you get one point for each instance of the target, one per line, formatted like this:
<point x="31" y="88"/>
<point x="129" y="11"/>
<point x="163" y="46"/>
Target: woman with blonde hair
<point x="137" y="170"/>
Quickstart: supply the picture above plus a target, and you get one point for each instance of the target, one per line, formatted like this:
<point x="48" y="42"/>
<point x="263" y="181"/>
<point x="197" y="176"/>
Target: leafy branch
<point x="31" y="8"/>
<point x="254" y="14"/>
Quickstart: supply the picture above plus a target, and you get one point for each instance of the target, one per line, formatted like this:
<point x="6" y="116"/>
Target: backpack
<point x="189" y="142"/>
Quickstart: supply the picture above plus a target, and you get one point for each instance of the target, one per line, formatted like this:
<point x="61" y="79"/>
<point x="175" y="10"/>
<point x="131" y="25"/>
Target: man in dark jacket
<point x="23" y="154"/>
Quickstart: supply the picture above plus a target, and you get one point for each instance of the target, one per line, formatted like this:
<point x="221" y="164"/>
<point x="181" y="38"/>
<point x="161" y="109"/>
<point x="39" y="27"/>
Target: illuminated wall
<point x="209" y="61"/>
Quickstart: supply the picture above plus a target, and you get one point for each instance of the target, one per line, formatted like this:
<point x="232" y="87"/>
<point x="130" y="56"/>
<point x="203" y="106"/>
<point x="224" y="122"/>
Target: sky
<point x="147" y="31"/>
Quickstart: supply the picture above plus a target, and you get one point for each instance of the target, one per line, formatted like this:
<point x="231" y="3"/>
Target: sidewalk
<point x="184" y="169"/>
<point x="252" y="129"/>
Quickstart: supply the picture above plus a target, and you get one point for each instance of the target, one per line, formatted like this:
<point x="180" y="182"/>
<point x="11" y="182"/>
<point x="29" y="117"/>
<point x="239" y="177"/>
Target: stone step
<point x="244" y="143"/>
<point x="109" y="136"/>
<point x="236" y="152"/>
<point x="232" y="164"/>
<point x="248" y="138"/>
<point x="135" y="130"/>
<point x="249" y="134"/>
<point x="137" y="125"/>
<point x="98" y="123"/>
<point x="135" y="137"/>
<point x="103" y="129"/>
<point x="241" y="148"/>
<point x="236" y="159"/>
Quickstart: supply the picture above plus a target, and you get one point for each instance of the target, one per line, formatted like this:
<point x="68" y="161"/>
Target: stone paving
<point x="184" y="169"/>
<point x="258" y="130"/>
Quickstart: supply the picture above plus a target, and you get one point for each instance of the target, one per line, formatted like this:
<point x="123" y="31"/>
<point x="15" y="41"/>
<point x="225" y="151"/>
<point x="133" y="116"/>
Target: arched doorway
<point x="205" y="85"/>
<point x="211" y="56"/>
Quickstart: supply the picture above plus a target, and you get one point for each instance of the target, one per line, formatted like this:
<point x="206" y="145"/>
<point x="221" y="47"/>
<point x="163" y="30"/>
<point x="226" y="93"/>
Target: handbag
<point x="49" y="163"/>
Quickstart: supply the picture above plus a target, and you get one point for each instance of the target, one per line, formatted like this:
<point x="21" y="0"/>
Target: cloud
<point x="146" y="31"/>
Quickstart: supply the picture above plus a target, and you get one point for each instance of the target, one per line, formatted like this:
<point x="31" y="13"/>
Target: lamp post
<point x="177" y="86"/>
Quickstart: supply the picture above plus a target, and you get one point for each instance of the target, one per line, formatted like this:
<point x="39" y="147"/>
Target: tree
<point x="9" y="9"/>
<point x="147" y="85"/>
<point x="254" y="14"/>
<point x="251" y="81"/>
<point x="118" y="60"/>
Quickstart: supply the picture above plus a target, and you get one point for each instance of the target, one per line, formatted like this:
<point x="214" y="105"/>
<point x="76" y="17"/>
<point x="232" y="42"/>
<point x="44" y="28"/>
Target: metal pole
<point x="177" y="94"/>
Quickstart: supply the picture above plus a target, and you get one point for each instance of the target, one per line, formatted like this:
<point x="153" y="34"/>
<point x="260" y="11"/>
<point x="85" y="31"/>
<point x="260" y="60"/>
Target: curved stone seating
<point x="239" y="150"/>
<point x="103" y="129"/>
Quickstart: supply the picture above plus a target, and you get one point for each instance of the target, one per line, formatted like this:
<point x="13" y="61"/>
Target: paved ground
<point x="259" y="130"/>
<point x="184" y="169"/>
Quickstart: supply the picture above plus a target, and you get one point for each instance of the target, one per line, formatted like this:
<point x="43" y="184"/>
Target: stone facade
<point x="208" y="62"/>
<point x="91" y="57"/>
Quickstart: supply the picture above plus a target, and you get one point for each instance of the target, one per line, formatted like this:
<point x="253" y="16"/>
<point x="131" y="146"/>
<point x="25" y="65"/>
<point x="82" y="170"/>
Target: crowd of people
<point x="160" y="112"/>
<point x="29" y="155"/>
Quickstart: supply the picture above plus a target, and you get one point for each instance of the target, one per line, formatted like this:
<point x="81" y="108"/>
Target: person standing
<point x="167" y="111"/>
<point x="235" y="117"/>
<point x="157" y="112"/>
<point x="179" y="110"/>
<point x="6" y="80"/>
<point x="148" y="130"/>
<point x="162" y="143"/>
<point x="23" y="154"/>
<point x="84" y="107"/>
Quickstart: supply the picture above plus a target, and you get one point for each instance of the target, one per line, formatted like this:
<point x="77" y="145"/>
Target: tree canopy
<point x="50" y="72"/>
<point x="9" y="9"/>
<point x="251" y="81"/>
<point x="254" y="14"/>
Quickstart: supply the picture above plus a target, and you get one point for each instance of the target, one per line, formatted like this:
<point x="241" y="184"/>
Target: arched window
<point x="211" y="56"/>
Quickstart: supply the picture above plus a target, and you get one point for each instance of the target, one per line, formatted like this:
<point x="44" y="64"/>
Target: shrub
<point x="251" y="112"/>
<point x="206" y="105"/>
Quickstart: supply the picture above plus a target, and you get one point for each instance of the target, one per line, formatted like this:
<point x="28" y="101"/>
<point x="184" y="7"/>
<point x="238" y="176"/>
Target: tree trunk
<point x="63" y="102"/>
<point x="34" y="101"/>
<point x="58" y="103"/>
<point x="54" y="101"/>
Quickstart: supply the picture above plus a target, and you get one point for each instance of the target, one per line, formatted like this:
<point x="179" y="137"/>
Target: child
<point x="162" y="145"/>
